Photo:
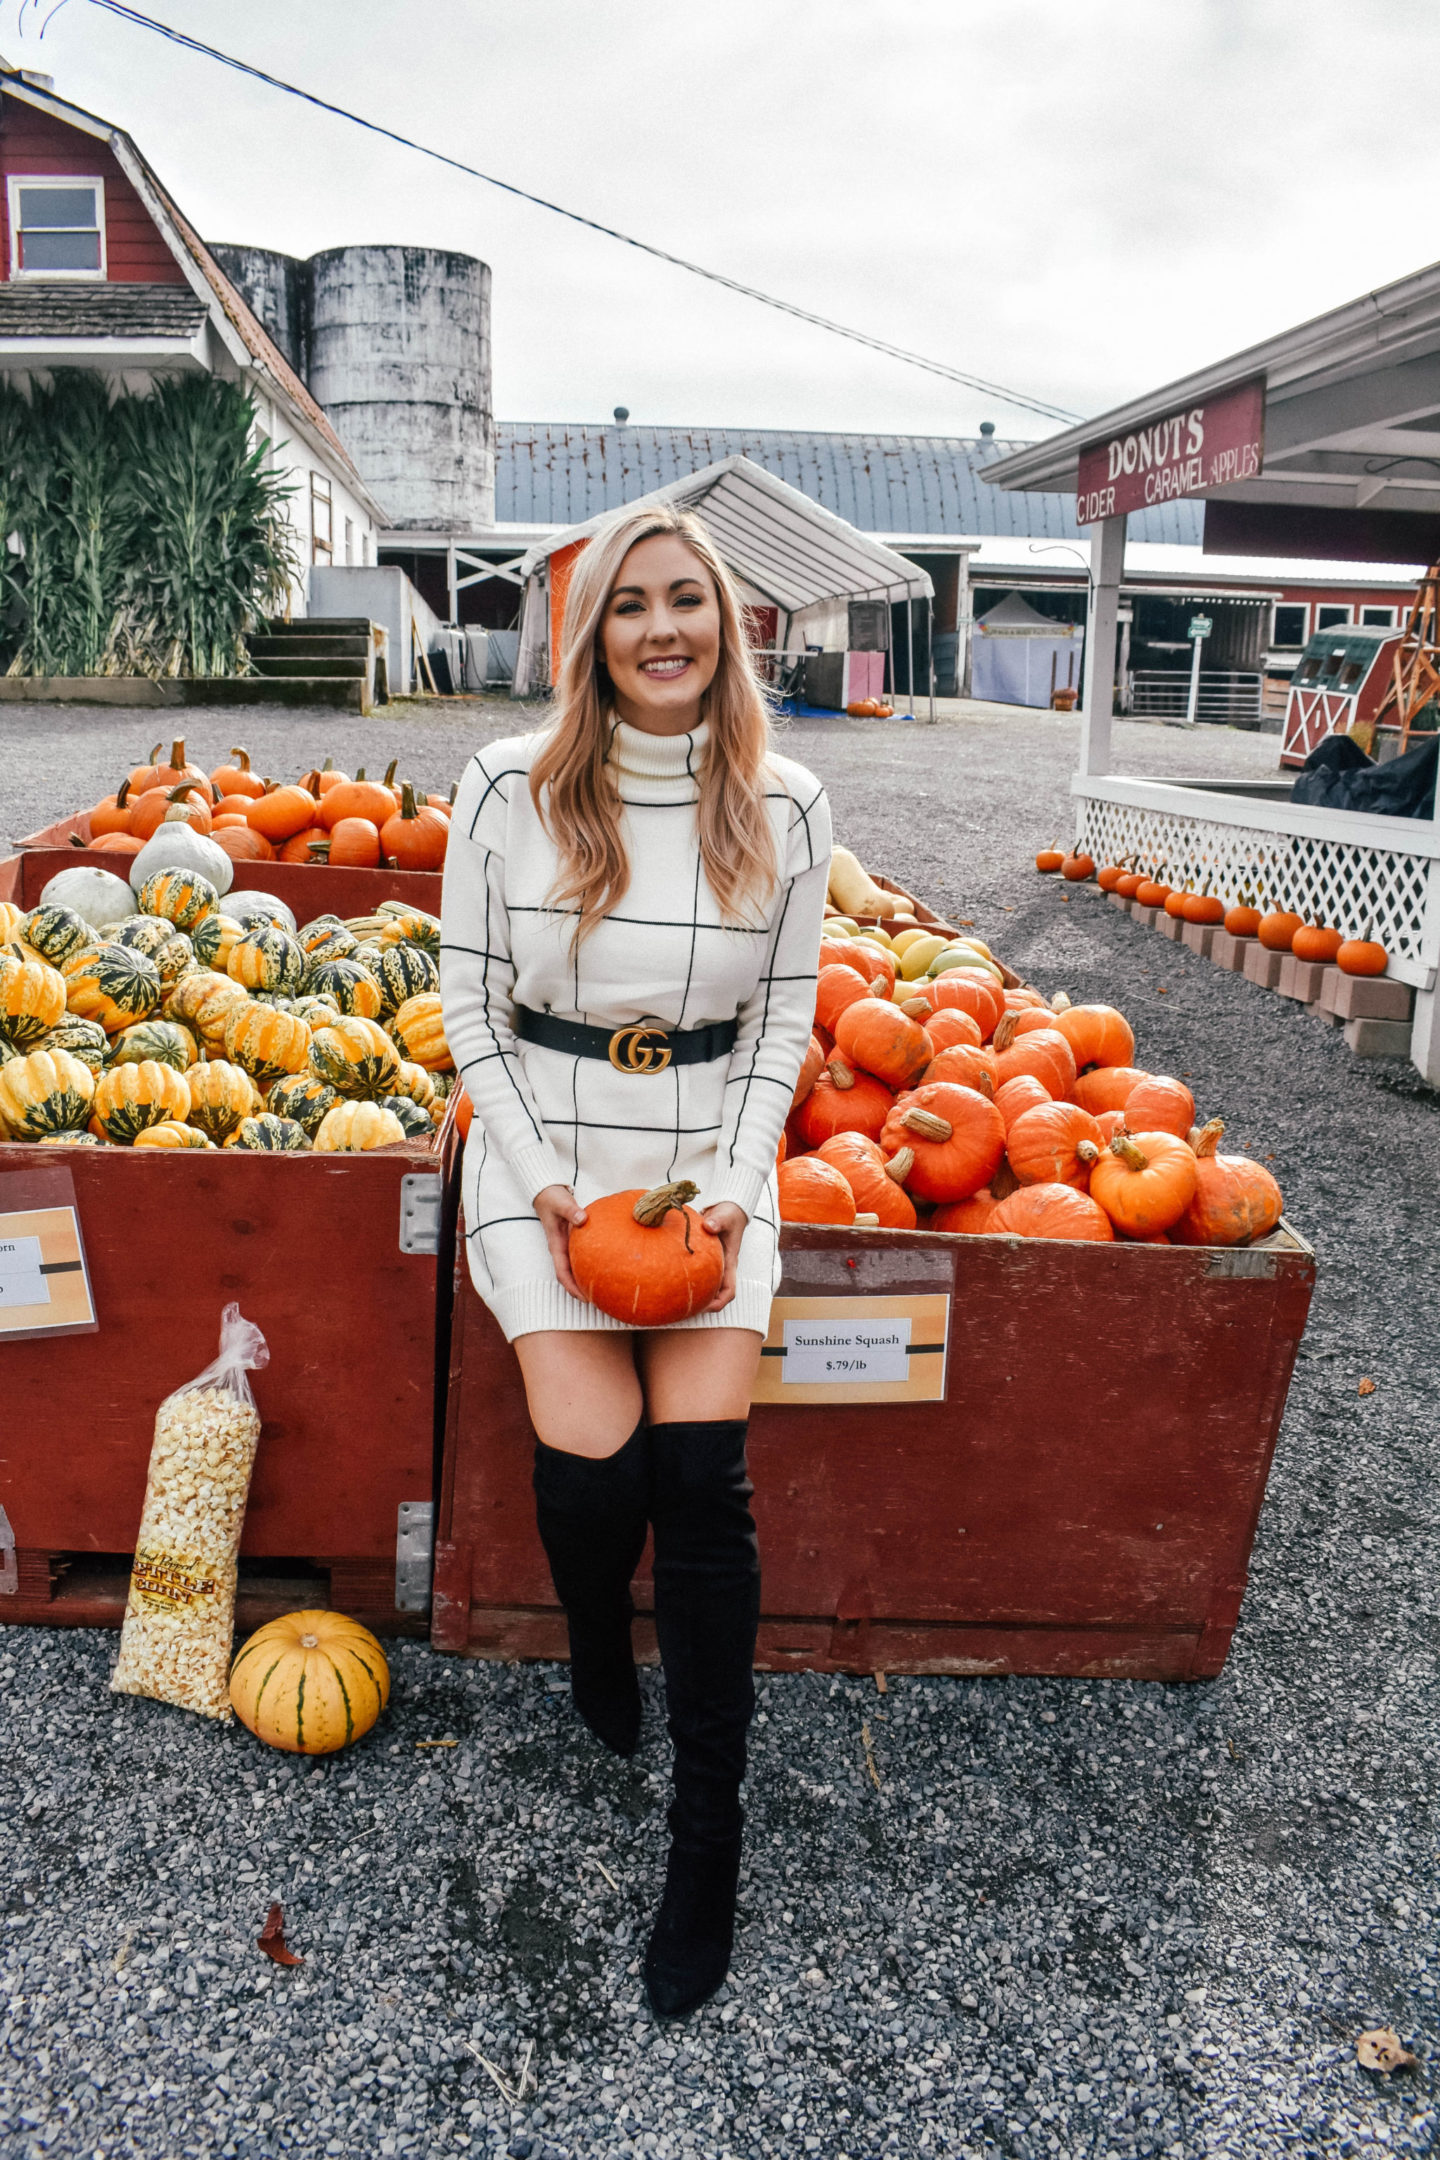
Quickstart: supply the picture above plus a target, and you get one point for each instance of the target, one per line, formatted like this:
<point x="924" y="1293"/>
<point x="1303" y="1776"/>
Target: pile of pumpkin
<point x="325" y="817"/>
<point x="936" y="1096"/>
<point x="1277" y="929"/>
<point x="164" y="1019"/>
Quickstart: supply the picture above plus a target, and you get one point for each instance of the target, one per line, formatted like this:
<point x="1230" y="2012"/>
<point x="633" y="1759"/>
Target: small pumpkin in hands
<point x="646" y="1257"/>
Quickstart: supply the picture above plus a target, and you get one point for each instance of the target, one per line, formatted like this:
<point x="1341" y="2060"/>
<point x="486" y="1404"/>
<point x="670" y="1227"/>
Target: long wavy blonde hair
<point x="572" y="782"/>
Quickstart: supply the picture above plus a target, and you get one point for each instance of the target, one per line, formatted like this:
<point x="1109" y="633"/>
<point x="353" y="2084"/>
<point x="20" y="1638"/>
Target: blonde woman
<point x="645" y="861"/>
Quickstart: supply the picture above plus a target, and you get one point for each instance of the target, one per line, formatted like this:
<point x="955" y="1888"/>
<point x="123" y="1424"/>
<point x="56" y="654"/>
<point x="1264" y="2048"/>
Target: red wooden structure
<point x="1337" y="686"/>
<point x="1083" y="1500"/>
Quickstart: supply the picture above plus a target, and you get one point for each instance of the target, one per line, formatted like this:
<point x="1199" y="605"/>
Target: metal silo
<point x="276" y="287"/>
<point x="399" y="357"/>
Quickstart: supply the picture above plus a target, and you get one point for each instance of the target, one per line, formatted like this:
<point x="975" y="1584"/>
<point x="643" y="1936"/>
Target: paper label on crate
<point x="22" y="1281"/>
<point x="843" y="1352"/>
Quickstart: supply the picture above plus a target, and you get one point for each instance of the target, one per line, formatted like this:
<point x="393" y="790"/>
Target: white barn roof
<point x="782" y="544"/>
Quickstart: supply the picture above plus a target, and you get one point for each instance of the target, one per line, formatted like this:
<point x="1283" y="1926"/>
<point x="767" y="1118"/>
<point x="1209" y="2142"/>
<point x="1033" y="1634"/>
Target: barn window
<point x="1378" y="618"/>
<point x="322" y="520"/>
<point x="1289" y="626"/>
<point x="1329" y="618"/>
<point x="57" y="228"/>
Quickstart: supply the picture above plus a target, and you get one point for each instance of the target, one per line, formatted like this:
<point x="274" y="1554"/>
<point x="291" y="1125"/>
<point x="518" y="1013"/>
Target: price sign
<point x="22" y="1276"/>
<point x="44" y="1283"/>
<point x="855" y="1349"/>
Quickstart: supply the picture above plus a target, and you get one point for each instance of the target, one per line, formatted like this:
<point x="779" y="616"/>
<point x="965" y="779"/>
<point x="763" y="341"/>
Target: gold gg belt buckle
<point x="639" y="1049"/>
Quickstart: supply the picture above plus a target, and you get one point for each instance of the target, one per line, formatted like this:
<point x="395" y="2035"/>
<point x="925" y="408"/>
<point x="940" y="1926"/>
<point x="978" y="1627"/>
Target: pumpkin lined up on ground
<point x="230" y="1022"/>
<point x="968" y="1104"/>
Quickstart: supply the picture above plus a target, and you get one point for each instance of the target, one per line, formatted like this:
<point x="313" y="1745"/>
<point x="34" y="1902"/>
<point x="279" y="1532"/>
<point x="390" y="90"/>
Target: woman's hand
<point x="728" y="1221"/>
<point x="560" y="1213"/>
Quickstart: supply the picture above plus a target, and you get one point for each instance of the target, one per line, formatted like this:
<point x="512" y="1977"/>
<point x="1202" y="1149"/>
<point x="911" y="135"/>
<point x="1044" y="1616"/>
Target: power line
<point x="575" y="217"/>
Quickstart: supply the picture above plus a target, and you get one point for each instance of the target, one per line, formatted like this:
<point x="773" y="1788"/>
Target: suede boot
<point x="592" y="1516"/>
<point x="707" y="1607"/>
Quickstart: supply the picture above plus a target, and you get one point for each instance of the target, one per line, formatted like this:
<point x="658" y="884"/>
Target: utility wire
<point x="645" y="247"/>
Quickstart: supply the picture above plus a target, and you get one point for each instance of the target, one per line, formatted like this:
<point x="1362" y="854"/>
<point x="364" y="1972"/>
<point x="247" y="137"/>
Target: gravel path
<point x="1077" y="1918"/>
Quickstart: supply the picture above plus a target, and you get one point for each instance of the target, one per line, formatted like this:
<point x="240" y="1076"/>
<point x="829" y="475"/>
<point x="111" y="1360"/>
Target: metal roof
<point x="783" y="544"/>
<point x="558" y="473"/>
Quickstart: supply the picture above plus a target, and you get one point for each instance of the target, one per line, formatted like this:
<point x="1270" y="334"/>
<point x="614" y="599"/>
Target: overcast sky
<point x="1077" y="198"/>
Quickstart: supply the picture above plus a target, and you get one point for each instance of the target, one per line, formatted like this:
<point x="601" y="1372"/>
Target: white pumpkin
<point x="175" y="845"/>
<point x="97" y="896"/>
<point x="252" y="907"/>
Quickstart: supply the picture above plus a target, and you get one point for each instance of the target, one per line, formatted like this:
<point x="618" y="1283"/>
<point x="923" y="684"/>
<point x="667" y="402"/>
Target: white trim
<point x="39" y="353"/>
<point x="19" y="181"/>
<point x="1304" y="607"/>
<point x="1392" y="615"/>
<point x="1178" y="798"/>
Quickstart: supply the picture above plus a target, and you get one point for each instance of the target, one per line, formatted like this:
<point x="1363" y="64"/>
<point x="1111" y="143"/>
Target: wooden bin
<point x="1082" y="1498"/>
<point x="310" y="889"/>
<point x="310" y="1247"/>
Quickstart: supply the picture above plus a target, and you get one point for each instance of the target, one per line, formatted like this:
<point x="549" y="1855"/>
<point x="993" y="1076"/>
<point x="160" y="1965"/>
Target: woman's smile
<point x="667" y="669"/>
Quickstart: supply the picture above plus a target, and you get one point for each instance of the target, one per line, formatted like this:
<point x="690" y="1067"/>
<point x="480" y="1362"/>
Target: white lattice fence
<point x="1364" y="891"/>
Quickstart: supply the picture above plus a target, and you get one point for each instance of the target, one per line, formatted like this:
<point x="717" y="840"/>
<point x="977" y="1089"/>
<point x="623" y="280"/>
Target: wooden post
<point x="1107" y="565"/>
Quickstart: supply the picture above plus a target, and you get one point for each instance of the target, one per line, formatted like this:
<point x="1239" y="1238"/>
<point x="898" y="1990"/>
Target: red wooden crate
<point x="1083" y="1501"/>
<point x="311" y="889"/>
<point x="309" y="1247"/>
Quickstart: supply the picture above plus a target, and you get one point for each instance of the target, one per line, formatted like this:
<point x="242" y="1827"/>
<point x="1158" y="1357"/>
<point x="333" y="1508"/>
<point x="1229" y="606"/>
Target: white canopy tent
<point x="784" y="549"/>
<point x="1020" y="657"/>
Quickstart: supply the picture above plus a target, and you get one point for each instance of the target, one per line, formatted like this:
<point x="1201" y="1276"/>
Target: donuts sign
<point x="1187" y="453"/>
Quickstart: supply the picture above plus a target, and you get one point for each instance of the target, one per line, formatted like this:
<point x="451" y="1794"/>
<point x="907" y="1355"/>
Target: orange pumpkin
<point x="881" y="1040"/>
<point x="243" y="843"/>
<point x="836" y="989"/>
<point x="354" y="844"/>
<point x="841" y="952"/>
<point x="861" y="1106"/>
<point x="1277" y="930"/>
<point x="1017" y="1096"/>
<point x="237" y="778"/>
<point x="1175" y="905"/>
<point x="952" y="1026"/>
<point x="1044" y="1052"/>
<point x="1362" y="956"/>
<point x="1235" y="1200"/>
<point x="1077" y="868"/>
<point x="955" y="1136"/>
<point x="362" y="798"/>
<point x="958" y="990"/>
<point x="967" y="1218"/>
<point x="810" y="1068"/>
<point x="148" y="812"/>
<point x="646" y="1257"/>
<point x="1150" y="893"/>
<point x="1109" y="1087"/>
<point x="1109" y="876"/>
<point x="1312" y="941"/>
<point x="862" y="1165"/>
<point x="1050" y="859"/>
<point x="1130" y="884"/>
<point x="966" y="1065"/>
<point x="814" y="1191"/>
<point x="118" y="843"/>
<point x="1052" y="1211"/>
<point x="1110" y="1122"/>
<point x="297" y="847"/>
<point x="1203" y="908"/>
<point x="1054" y="1143"/>
<point x="283" y="812"/>
<point x="111" y="815"/>
<point x="1242" y="921"/>
<point x="1144" y="1181"/>
<point x="1032" y="1016"/>
<point x="1159" y="1104"/>
<point x="414" y="837"/>
<point x="1097" y="1035"/>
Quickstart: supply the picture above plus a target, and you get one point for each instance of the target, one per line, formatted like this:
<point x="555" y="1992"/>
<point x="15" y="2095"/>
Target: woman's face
<point x="660" y="637"/>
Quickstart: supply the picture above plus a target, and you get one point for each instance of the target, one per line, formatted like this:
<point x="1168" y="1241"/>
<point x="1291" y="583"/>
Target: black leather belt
<point x="641" y="1046"/>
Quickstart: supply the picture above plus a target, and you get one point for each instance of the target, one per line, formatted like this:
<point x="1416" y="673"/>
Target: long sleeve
<point x="776" y="1020"/>
<point x="477" y="975"/>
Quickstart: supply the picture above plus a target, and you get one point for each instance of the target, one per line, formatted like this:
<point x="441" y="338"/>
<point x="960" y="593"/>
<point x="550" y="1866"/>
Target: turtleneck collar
<point x="658" y="764"/>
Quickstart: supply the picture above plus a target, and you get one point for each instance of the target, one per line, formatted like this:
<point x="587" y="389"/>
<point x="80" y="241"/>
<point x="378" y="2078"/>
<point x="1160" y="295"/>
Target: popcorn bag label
<point x="167" y="1582"/>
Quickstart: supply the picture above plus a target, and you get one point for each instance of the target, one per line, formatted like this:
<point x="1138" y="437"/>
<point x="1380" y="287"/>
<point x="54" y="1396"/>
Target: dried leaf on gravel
<point x="1366" y="1387"/>
<point x="1383" y="2049"/>
<point x="271" y="1939"/>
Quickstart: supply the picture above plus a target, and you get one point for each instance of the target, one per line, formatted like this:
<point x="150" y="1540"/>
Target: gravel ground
<point x="1077" y="1918"/>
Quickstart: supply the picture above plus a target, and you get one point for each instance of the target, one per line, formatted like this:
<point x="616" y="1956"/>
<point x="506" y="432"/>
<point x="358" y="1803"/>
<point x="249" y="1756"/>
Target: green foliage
<point x="150" y="535"/>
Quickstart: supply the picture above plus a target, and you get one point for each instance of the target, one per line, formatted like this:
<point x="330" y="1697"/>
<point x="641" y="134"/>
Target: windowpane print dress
<point x="544" y="1117"/>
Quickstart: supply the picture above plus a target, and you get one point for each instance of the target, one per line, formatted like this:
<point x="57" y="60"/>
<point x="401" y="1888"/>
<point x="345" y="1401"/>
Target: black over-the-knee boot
<point x="592" y="1513"/>
<point x="707" y="1606"/>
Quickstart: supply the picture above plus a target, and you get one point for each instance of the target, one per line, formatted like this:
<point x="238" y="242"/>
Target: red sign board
<point x="1187" y="452"/>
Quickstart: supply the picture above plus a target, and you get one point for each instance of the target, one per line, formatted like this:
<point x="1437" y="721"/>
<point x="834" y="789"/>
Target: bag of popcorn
<point x="176" y="1642"/>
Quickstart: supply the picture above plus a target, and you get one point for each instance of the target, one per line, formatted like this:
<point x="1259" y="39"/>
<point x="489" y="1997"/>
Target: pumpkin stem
<point x="866" y="1222"/>
<point x="1060" y="1002"/>
<point x="155" y="753"/>
<point x="984" y="1085"/>
<point x="913" y="1007"/>
<point x="842" y="1074"/>
<point x="652" y="1207"/>
<point x="900" y="1165"/>
<point x="454" y="789"/>
<point x="1208" y="1139"/>
<point x="1004" y="1033"/>
<point x="389" y="780"/>
<point x="1087" y="1151"/>
<point x="241" y="757"/>
<point x="123" y="794"/>
<point x="408" y="806"/>
<point x="310" y="781"/>
<point x="319" y="850"/>
<point x="1133" y="1157"/>
<point x="177" y="753"/>
<point x="927" y="1124"/>
<point x="879" y="987"/>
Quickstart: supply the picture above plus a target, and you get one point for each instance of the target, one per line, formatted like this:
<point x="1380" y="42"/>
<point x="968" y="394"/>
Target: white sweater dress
<point x="544" y="1117"/>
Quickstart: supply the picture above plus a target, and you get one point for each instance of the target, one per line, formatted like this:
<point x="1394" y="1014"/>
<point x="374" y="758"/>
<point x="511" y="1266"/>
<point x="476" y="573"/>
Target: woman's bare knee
<point x="582" y="1389"/>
